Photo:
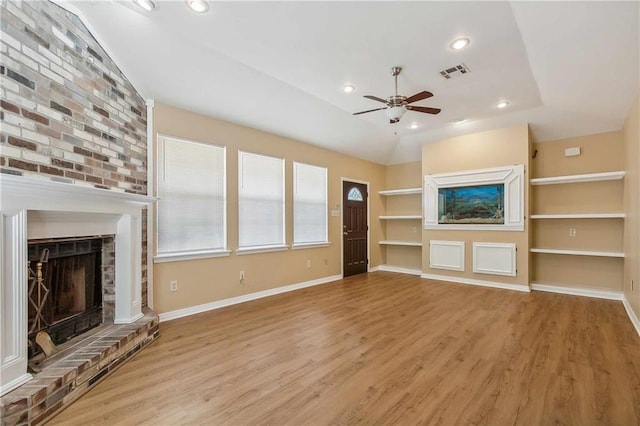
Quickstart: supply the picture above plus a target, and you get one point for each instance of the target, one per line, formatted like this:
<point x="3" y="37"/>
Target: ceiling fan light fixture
<point x="348" y="88"/>
<point x="147" y="5"/>
<point x="459" y="43"/>
<point x="199" y="6"/>
<point x="395" y="112"/>
<point x="502" y="104"/>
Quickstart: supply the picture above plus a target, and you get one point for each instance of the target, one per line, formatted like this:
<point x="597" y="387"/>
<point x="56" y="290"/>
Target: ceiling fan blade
<point x="371" y="110"/>
<point x="423" y="109"/>
<point x="419" y="96"/>
<point x="375" y="98"/>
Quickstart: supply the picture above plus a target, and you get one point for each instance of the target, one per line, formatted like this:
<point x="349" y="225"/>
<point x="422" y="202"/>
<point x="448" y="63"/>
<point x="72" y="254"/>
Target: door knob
<point x="345" y="233"/>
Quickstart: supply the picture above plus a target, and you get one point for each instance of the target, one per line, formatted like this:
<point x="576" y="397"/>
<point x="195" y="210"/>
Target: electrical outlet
<point x="308" y="264"/>
<point x="242" y="276"/>
<point x="414" y="229"/>
<point x="173" y="285"/>
<point x="573" y="232"/>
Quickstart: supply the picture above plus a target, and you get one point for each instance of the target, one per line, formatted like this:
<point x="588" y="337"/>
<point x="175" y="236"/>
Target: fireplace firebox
<point x="64" y="289"/>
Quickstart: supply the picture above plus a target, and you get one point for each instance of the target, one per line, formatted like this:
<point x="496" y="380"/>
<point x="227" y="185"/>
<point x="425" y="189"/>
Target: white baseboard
<point x="482" y="283"/>
<point x="632" y="315"/>
<point x="399" y="269"/>
<point x="586" y="292"/>
<point x="374" y="269"/>
<point x="168" y="316"/>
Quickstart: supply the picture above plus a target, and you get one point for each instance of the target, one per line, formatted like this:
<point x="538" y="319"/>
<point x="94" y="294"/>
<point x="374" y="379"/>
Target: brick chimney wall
<point x="67" y="113"/>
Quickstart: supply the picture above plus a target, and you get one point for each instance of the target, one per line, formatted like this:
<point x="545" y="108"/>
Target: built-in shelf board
<point x="577" y="252"/>
<point x="405" y="191"/>
<point x="407" y="216"/>
<point x="590" y="177"/>
<point x="579" y="216"/>
<point x="400" y="243"/>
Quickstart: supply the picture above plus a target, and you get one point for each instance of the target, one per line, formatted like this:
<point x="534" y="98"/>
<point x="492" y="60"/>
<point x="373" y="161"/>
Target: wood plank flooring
<point x="382" y="348"/>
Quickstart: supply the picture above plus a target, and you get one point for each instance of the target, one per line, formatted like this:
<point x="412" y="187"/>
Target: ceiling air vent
<point x="455" y="71"/>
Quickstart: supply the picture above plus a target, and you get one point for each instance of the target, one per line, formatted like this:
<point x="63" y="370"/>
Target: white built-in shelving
<point x="400" y="243"/>
<point x="404" y="226"/>
<point x="404" y="191"/>
<point x="401" y="217"/>
<point x="577" y="252"/>
<point x="578" y="219"/>
<point x="579" y="216"/>
<point x="589" y="177"/>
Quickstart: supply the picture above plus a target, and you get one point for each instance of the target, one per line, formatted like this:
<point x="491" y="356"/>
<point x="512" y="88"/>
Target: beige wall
<point x="494" y="148"/>
<point x="632" y="207"/>
<point x="207" y="280"/>
<point x="599" y="153"/>
<point x="407" y="175"/>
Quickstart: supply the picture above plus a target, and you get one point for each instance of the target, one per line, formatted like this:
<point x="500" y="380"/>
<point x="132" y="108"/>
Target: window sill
<point x="190" y="256"/>
<point x="309" y="245"/>
<point x="261" y="249"/>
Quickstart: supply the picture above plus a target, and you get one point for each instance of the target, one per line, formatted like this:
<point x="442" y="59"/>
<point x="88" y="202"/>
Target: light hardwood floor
<point x="382" y="348"/>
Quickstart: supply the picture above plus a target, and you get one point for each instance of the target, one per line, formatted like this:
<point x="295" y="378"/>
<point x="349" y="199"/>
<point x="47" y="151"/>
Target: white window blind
<point x="260" y="200"/>
<point x="192" y="197"/>
<point x="309" y="204"/>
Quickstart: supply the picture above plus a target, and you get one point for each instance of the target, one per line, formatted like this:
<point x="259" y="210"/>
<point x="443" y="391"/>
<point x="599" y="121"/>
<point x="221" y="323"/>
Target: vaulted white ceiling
<point x="567" y="68"/>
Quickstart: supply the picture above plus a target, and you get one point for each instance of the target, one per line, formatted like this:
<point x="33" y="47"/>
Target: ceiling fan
<point x="397" y="105"/>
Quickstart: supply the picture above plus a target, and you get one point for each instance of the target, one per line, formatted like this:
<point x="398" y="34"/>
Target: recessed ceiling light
<point x="199" y="6"/>
<point x="147" y="5"/>
<point x="502" y="104"/>
<point x="460" y="43"/>
<point x="348" y="88"/>
<point x="414" y="125"/>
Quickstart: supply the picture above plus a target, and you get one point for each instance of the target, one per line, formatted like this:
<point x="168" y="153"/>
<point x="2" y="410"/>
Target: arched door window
<point x="354" y="195"/>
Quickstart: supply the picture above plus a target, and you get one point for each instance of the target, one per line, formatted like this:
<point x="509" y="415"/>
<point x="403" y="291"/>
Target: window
<point x="354" y="195"/>
<point x="309" y="204"/>
<point x="192" y="199"/>
<point x="260" y="201"/>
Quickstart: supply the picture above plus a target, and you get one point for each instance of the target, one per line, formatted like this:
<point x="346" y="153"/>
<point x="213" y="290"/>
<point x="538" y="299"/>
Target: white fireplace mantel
<point x="33" y="208"/>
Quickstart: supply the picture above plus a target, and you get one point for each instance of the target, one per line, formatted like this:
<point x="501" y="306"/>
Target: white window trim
<point x="261" y="249"/>
<point x="176" y="257"/>
<point x="302" y="246"/>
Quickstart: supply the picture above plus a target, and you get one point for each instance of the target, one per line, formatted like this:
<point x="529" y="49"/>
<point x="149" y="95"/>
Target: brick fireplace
<point x="41" y="210"/>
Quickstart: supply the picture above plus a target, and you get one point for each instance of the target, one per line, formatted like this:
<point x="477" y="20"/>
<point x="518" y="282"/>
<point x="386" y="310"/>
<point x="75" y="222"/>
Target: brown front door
<point x="354" y="230"/>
